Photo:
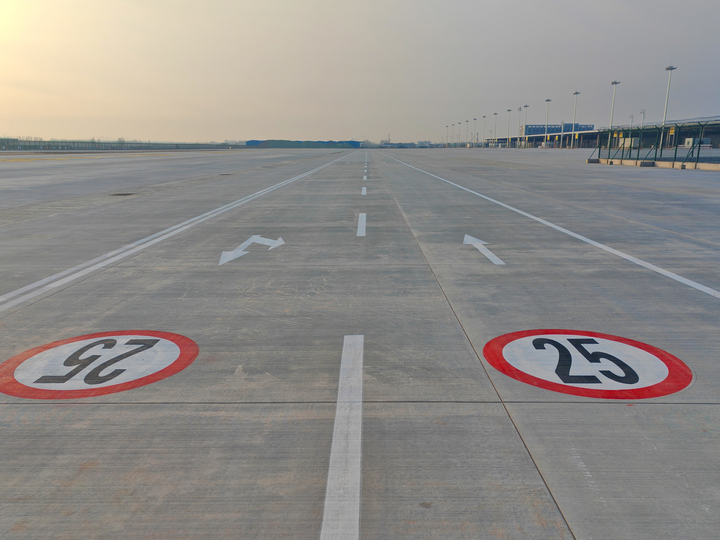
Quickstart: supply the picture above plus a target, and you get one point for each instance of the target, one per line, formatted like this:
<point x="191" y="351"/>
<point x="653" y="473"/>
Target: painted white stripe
<point x="363" y="191"/>
<point x="364" y="177"/>
<point x="361" y="225"/>
<point x="489" y="254"/>
<point x="639" y="262"/>
<point x="341" y="516"/>
<point x="56" y="280"/>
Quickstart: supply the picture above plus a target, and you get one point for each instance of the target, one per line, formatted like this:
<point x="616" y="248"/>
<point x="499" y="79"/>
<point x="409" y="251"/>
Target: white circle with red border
<point x="96" y="364"/>
<point x="588" y="364"/>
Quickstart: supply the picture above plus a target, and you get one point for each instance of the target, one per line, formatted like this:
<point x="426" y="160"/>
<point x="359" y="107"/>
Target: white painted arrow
<point x="239" y="251"/>
<point x="479" y="244"/>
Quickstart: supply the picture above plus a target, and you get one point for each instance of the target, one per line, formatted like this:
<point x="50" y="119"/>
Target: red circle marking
<point x="679" y="374"/>
<point x="10" y="386"/>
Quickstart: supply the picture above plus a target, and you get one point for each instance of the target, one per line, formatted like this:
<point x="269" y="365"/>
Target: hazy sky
<point x="185" y="70"/>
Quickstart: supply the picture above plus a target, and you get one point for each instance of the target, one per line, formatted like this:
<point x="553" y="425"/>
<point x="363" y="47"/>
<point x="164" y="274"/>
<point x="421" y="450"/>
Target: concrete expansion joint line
<point x="437" y="281"/>
<point x="477" y="355"/>
<point x="334" y="402"/>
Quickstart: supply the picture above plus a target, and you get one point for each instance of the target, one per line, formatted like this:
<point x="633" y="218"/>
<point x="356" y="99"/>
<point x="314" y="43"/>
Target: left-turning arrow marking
<point x="479" y="244"/>
<point x="240" y="250"/>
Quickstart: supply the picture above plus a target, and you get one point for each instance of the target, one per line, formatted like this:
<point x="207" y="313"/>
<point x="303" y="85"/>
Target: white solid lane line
<point x="341" y="516"/>
<point x="690" y="283"/>
<point x="56" y="280"/>
<point x="364" y="191"/>
<point x="361" y="225"/>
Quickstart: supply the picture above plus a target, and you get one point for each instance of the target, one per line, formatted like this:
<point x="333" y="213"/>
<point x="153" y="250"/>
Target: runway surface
<point x="374" y="344"/>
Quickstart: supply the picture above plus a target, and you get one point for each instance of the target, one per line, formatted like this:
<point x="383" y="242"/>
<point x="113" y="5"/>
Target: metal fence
<point x="695" y="140"/>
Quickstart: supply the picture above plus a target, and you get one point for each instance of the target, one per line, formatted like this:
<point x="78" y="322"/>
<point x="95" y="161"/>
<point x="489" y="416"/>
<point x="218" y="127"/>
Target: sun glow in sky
<point x="186" y="70"/>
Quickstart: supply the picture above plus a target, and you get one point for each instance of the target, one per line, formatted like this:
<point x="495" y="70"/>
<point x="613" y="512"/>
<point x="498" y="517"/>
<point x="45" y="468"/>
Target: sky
<point x="214" y="70"/>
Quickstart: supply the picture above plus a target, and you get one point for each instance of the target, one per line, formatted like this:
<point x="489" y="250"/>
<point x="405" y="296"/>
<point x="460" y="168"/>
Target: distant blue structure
<point x="539" y="129"/>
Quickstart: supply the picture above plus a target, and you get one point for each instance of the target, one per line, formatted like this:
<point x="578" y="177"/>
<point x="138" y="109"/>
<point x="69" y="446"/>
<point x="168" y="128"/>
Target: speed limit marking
<point x="96" y="364"/>
<point x="588" y="364"/>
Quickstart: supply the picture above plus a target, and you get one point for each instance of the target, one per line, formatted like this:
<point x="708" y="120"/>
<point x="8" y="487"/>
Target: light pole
<point x="572" y="141"/>
<point x="496" y="137"/>
<point x="547" y="117"/>
<point x="483" y="141"/>
<point x="642" y="125"/>
<point x="467" y="129"/>
<point x="526" y="131"/>
<point x="612" y="112"/>
<point x="447" y="143"/>
<point x="453" y="137"/>
<point x="669" y="69"/>
<point x="475" y="133"/>
<point x="508" y="137"/>
<point x="519" y="118"/>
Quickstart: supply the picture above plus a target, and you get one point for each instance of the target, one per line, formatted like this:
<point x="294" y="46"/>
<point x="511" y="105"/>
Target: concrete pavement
<point x="237" y="444"/>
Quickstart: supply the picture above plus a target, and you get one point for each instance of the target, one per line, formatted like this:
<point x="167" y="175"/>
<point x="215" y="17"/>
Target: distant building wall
<point x="539" y="129"/>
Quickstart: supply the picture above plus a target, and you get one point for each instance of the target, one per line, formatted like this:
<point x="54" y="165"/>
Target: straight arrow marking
<point x="479" y="244"/>
<point x="239" y="251"/>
